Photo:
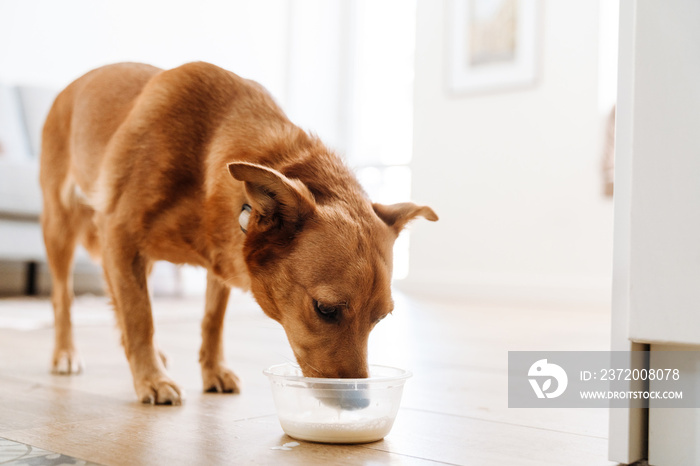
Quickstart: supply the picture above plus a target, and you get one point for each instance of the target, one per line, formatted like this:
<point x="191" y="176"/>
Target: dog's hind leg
<point x="60" y="227"/>
<point x="216" y="376"/>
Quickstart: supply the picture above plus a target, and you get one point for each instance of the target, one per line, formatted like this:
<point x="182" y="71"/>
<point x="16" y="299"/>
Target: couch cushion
<point x="21" y="241"/>
<point x="20" y="195"/>
<point x="14" y="142"/>
<point x="36" y="103"/>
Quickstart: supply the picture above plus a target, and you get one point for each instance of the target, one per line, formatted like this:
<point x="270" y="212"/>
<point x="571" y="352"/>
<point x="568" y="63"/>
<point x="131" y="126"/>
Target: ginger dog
<point x="196" y="165"/>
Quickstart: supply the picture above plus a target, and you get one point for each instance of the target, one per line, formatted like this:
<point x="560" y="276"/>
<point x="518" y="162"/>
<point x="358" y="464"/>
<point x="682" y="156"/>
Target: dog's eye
<point x="328" y="313"/>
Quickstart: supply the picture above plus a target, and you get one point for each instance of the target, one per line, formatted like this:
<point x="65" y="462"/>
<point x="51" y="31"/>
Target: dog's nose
<point x="349" y="400"/>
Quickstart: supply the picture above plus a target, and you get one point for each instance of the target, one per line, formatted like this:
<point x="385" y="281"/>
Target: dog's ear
<point x="273" y="196"/>
<point x="396" y="216"/>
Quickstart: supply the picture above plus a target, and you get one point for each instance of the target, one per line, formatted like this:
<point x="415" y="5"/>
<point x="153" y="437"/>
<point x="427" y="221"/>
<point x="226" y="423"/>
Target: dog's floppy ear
<point x="397" y="216"/>
<point x="272" y="195"/>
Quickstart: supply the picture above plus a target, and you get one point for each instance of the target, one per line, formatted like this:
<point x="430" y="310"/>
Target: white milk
<point x="338" y="431"/>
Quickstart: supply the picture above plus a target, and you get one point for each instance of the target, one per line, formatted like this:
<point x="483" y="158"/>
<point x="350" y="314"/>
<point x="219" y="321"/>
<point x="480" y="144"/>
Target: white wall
<point x="300" y="50"/>
<point x="51" y="43"/>
<point x="514" y="176"/>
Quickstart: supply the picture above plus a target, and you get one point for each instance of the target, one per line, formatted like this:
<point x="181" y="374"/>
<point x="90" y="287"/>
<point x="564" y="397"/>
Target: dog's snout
<point x="350" y="373"/>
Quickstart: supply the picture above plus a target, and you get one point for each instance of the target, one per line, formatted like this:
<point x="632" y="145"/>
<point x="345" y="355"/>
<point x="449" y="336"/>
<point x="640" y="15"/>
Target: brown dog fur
<point x="141" y="164"/>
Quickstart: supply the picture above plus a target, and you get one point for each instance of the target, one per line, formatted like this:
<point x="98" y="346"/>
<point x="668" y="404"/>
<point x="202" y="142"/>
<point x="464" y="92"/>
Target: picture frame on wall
<point x="492" y="45"/>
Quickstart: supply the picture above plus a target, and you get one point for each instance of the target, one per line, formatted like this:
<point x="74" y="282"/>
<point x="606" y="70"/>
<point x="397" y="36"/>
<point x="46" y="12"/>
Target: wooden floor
<point x="454" y="409"/>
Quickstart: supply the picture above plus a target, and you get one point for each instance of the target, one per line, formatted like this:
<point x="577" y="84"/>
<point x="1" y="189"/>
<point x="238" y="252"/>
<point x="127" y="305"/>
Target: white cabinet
<point x="656" y="285"/>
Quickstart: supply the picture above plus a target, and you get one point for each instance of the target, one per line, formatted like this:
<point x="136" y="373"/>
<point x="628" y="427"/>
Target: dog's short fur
<point x="141" y="164"/>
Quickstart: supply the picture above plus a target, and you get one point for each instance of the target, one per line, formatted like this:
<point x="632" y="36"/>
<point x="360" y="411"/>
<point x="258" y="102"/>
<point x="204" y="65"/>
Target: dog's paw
<point x="66" y="362"/>
<point x="159" y="390"/>
<point x="220" y="379"/>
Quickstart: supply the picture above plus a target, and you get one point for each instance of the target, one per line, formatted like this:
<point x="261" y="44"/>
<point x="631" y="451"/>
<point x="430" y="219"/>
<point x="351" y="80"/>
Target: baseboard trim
<point x="531" y="288"/>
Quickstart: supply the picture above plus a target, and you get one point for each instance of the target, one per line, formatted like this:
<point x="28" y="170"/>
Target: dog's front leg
<point x="216" y="376"/>
<point x="125" y="269"/>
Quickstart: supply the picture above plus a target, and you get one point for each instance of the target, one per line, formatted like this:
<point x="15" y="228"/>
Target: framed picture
<point x="492" y="44"/>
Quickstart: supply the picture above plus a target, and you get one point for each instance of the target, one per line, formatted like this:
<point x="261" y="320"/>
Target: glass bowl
<point x="337" y="410"/>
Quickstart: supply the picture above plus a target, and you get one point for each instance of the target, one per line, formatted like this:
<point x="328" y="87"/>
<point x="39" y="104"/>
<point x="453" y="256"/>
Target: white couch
<point x="23" y="110"/>
<point x="22" y="114"/>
